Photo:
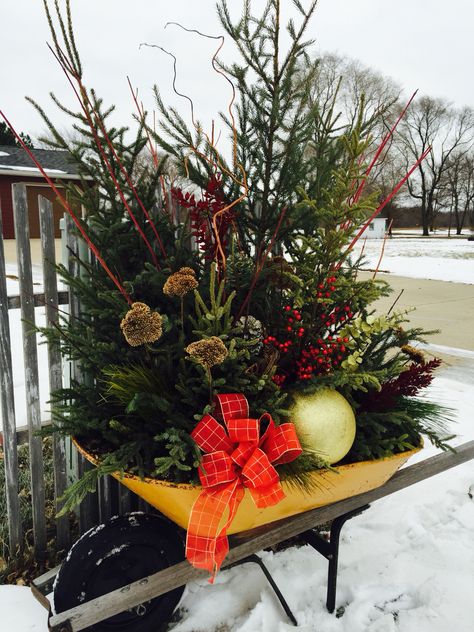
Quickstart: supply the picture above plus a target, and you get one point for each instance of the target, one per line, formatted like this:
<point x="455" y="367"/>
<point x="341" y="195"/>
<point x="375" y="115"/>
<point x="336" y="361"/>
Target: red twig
<point x="142" y="119"/>
<point x="383" y="249"/>
<point x="69" y="210"/>
<point x="383" y="205"/>
<point x="103" y="154"/>
<point x="381" y="148"/>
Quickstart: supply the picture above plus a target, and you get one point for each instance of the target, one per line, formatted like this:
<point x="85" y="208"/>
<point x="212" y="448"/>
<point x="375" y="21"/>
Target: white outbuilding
<point x="377" y="228"/>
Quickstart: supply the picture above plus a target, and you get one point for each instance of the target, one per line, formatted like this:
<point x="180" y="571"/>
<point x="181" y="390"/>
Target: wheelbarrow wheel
<point x="123" y="550"/>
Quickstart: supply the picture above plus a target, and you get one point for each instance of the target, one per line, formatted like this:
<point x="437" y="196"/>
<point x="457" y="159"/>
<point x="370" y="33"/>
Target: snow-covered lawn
<point x="406" y="565"/>
<point x="422" y="258"/>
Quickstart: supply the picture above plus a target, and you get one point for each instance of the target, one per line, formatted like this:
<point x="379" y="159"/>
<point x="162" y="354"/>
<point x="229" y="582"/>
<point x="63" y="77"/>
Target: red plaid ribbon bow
<point x="243" y="457"/>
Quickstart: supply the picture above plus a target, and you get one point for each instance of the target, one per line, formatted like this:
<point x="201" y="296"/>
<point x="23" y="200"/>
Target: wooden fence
<point x="67" y="463"/>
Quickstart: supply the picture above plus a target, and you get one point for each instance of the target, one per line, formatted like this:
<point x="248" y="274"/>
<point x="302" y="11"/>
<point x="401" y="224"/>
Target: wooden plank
<point x="45" y="582"/>
<point x="14" y="302"/>
<point x="22" y="432"/>
<point x="147" y="588"/>
<point x="105" y="498"/>
<point x="30" y="358"/>
<point x="125" y="499"/>
<point x="88" y="509"/>
<point x="7" y="401"/>
<point x="54" y="358"/>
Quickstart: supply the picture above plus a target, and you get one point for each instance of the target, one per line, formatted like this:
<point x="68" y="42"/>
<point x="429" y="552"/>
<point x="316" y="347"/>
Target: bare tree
<point x="467" y="188"/>
<point x="449" y="131"/>
<point x="352" y="90"/>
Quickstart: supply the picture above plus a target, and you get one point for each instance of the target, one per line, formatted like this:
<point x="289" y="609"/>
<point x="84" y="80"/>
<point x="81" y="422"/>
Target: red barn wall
<point x="33" y="189"/>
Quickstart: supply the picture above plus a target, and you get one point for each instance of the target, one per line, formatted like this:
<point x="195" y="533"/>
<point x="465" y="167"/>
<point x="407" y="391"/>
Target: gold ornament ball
<point x="324" y="422"/>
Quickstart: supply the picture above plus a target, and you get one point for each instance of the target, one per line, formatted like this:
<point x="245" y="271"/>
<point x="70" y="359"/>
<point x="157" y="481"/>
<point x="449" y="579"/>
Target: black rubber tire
<point x="122" y="550"/>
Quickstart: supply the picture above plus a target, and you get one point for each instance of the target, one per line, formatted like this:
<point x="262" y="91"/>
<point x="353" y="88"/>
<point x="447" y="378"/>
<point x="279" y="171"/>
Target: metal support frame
<point x="257" y="560"/>
<point x="330" y="550"/>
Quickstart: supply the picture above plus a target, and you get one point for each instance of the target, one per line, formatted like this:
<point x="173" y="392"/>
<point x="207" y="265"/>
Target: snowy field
<point x="406" y="565"/>
<point x="429" y="258"/>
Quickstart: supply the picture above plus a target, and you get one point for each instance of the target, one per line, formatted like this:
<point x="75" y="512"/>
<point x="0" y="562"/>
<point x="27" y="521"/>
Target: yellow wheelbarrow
<point x="127" y="552"/>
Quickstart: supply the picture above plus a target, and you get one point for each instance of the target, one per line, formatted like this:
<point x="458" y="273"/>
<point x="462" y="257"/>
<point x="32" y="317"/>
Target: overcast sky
<point x="425" y="44"/>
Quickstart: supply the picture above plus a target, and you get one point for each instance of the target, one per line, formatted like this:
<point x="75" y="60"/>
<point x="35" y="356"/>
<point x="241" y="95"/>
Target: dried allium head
<point x="417" y="356"/>
<point x="208" y="352"/>
<point x="141" y="325"/>
<point x="180" y="283"/>
<point x="187" y="271"/>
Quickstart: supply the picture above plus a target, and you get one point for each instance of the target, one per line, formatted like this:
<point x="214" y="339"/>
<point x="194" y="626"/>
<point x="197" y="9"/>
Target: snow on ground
<point x="406" y="564"/>
<point x="13" y="285"/>
<point x="20" y="612"/>
<point x="18" y="367"/>
<point x="422" y="258"/>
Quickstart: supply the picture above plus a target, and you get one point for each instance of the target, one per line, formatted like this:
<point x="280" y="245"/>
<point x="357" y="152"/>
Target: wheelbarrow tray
<point x="176" y="500"/>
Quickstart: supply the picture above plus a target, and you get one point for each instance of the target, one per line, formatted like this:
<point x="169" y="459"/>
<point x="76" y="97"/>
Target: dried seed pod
<point x="180" y="283"/>
<point x="208" y="351"/>
<point x="141" y="325"/>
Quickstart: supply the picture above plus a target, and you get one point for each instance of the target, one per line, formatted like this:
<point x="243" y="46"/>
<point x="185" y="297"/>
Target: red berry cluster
<point x="337" y="315"/>
<point x="326" y="288"/>
<point x="321" y="358"/>
<point x="293" y="328"/>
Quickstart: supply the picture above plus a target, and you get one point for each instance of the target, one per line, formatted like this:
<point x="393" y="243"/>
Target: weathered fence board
<point x="33" y="412"/>
<point x="54" y="357"/>
<point x="14" y="302"/>
<point x="88" y="510"/>
<point x="144" y="589"/>
<point x="8" y="412"/>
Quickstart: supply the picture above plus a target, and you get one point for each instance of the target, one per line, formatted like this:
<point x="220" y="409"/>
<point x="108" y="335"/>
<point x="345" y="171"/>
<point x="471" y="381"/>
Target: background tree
<point x="434" y="122"/>
<point x="356" y="91"/>
<point x="459" y="187"/>
<point x="8" y="138"/>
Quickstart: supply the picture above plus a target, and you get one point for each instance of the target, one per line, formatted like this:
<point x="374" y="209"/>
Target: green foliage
<point x="7" y="137"/>
<point x="288" y="210"/>
<point x="380" y="434"/>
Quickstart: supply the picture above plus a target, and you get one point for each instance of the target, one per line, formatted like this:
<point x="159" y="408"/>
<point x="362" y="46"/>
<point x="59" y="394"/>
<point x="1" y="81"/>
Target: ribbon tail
<point x="222" y="543"/>
<point x="206" y="540"/>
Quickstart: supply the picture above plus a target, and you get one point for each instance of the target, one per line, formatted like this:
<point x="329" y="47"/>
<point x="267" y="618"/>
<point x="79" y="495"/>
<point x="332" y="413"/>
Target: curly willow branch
<point x="217" y="162"/>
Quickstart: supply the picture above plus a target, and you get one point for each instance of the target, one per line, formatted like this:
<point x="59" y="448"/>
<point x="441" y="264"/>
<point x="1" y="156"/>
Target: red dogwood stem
<point x="104" y="157"/>
<point x="383" y="205"/>
<point x="76" y="221"/>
